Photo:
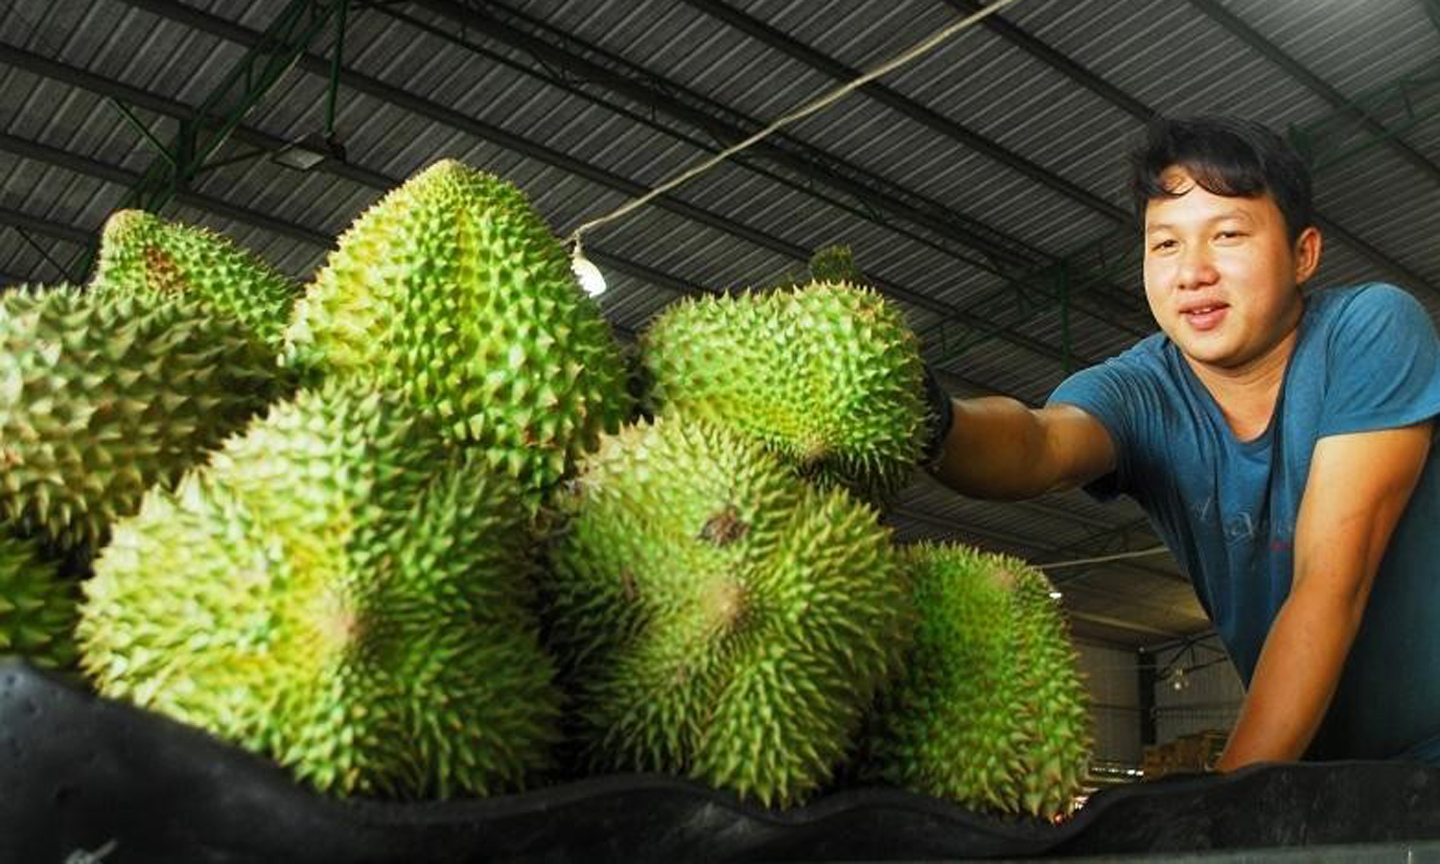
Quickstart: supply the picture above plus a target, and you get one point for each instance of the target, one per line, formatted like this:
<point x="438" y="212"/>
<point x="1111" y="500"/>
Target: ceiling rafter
<point x="101" y="85"/>
<point x="37" y="64"/>
<point x="591" y="64"/>
<point x="48" y="227"/>
<point x="1002" y="539"/>
<point x="1011" y="258"/>
<point x="908" y="107"/>
<point x="1037" y="550"/>
<point x="127" y="178"/>
<point x="1096" y="83"/>
<point x="1302" y="73"/>
<point x="424" y="107"/>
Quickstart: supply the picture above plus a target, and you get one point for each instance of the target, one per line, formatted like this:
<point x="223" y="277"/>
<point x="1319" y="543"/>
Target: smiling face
<point x="1221" y="275"/>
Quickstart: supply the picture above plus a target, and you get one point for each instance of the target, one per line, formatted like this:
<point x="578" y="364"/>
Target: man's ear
<point x="1307" y="253"/>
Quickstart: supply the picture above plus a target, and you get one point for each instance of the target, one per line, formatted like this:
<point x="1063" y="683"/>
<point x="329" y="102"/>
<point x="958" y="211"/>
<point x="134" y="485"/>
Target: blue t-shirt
<point x="1366" y="358"/>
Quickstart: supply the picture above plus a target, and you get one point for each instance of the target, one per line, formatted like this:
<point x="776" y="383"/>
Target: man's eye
<point x="1229" y="235"/>
<point x="1163" y="245"/>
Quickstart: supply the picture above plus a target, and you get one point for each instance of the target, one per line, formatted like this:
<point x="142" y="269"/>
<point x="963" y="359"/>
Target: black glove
<point x="941" y="418"/>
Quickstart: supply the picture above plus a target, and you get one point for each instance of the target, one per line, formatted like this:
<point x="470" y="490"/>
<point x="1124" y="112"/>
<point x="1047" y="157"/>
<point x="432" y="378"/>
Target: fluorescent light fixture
<point x="308" y="152"/>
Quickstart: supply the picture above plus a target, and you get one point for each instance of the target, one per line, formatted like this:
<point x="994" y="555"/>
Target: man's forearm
<point x="1000" y="448"/>
<point x="1295" y="679"/>
<point x="994" y="449"/>
<point x="1357" y="489"/>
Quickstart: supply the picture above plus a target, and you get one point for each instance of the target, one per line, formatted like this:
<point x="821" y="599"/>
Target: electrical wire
<point x="1100" y="559"/>
<point x="924" y="46"/>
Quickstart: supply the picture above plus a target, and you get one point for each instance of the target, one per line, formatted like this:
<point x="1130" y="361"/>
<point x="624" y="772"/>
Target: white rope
<point x="804" y="111"/>
<point x="1118" y="556"/>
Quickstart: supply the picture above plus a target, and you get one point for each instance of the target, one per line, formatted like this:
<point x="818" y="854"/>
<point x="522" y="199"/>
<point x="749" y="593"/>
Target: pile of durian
<point x="422" y="528"/>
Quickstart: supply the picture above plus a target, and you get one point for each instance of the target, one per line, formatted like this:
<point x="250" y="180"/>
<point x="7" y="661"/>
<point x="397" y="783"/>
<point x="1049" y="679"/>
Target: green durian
<point x="827" y="375"/>
<point x="715" y="615"/>
<point x="452" y="290"/>
<point x="339" y="590"/>
<point x="102" y="397"/>
<point x="991" y="710"/>
<point x="38" y="607"/>
<point x="140" y="252"/>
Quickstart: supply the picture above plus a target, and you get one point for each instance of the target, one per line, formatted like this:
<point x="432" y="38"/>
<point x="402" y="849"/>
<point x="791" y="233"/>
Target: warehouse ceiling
<point x="980" y="187"/>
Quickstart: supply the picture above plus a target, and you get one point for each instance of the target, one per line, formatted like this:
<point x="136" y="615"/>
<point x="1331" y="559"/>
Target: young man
<point x="1279" y="442"/>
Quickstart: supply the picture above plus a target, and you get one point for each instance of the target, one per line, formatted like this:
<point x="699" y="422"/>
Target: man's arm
<point x="1358" y="487"/>
<point x="1000" y="448"/>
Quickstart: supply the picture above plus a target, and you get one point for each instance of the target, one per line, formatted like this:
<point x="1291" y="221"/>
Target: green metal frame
<point x="1378" y="116"/>
<point x="201" y="135"/>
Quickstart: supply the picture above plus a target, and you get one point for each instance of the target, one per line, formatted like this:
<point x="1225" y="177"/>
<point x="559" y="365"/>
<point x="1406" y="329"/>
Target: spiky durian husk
<point x="103" y="397"/>
<point x="991" y="710"/>
<point x="37" y="606"/>
<point x="140" y="252"/>
<point x="337" y="590"/>
<point x="716" y="615"/>
<point x="452" y="290"/>
<point x="827" y="375"/>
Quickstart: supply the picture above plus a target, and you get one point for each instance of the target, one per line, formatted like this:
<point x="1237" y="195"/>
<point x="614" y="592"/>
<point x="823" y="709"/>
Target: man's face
<point x="1221" y="275"/>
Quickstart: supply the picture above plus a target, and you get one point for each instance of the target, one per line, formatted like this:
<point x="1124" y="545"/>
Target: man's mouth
<point x="1206" y="317"/>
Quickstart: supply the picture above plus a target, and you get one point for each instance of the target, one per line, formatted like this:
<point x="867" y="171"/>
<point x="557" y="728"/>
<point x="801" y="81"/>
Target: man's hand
<point x="1357" y="489"/>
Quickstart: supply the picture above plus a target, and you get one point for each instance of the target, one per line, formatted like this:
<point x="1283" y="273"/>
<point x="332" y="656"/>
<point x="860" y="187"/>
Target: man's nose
<point x="1196" y="269"/>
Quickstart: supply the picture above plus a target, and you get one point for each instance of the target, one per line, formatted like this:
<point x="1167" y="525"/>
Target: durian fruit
<point x="140" y="252"/>
<point x="338" y="590"/>
<point x="37" y="606"/>
<point x="452" y="290"/>
<point x="827" y="375"/>
<point x="836" y="264"/>
<point x="102" y="397"/>
<point x="716" y="616"/>
<point x="991" y="710"/>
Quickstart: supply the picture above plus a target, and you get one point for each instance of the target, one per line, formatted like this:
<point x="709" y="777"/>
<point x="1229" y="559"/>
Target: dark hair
<point x="1225" y="156"/>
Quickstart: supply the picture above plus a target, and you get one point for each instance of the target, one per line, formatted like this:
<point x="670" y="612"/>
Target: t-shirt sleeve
<point x="1383" y="364"/>
<point x="1108" y="392"/>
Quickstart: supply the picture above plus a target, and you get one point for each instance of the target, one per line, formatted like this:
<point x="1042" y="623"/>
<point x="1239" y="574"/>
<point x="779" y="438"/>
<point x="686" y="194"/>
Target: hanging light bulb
<point x="589" y="275"/>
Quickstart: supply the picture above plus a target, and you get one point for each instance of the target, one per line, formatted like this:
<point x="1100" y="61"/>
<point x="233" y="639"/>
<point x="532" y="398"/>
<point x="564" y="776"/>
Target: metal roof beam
<point x="1014" y="259"/>
<point x="109" y="173"/>
<point x="1055" y="59"/>
<point x="1120" y="624"/>
<point x="41" y="225"/>
<point x="45" y="254"/>
<point x="266" y="61"/>
<point x="123" y="177"/>
<point x="509" y="140"/>
<point x="1297" y="70"/>
<point x="1017" y="542"/>
<point x="902" y="104"/>
<point x="103" y="86"/>
<point x="727" y="126"/>
<point x="1144" y="113"/>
